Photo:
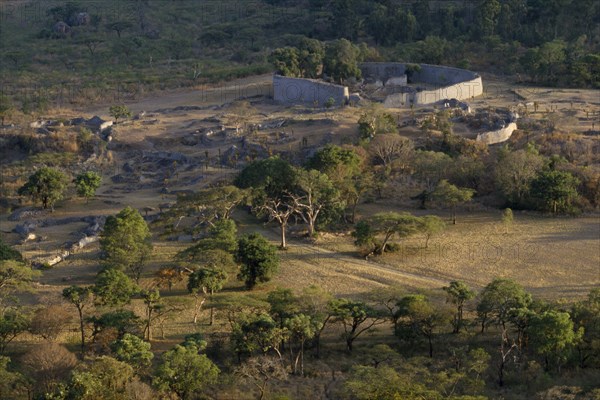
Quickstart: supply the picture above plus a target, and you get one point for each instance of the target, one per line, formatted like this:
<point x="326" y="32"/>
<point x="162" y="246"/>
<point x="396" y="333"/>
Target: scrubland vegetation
<point x="247" y="250"/>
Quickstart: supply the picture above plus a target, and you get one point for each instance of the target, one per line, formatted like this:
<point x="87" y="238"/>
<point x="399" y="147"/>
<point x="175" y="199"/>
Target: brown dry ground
<point x="554" y="258"/>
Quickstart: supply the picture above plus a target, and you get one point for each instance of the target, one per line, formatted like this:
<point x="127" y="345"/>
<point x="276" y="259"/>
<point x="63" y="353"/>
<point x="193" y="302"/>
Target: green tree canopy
<point x="258" y="258"/>
<point x="375" y="232"/>
<point x="375" y="121"/>
<point x="7" y="253"/>
<point x="458" y="293"/>
<point x="286" y="61"/>
<point x="12" y="324"/>
<point x="206" y="281"/>
<point x="80" y="297"/>
<point x="272" y="181"/>
<point x="430" y="225"/>
<point x="334" y="160"/>
<point x="6" y="108"/>
<point x="341" y="60"/>
<point x="417" y="317"/>
<point x="122" y="321"/>
<point x="15" y="276"/>
<point x="211" y="205"/>
<point x="555" y="191"/>
<point x="87" y="183"/>
<point x="451" y="196"/>
<point x="216" y="249"/>
<point x="125" y="241"/>
<point x="586" y="315"/>
<point x="103" y="378"/>
<point x="498" y="299"/>
<point x="314" y="193"/>
<point x="185" y="372"/>
<point x="114" y="288"/>
<point x="552" y="336"/>
<point x="133" y="350"/>
<point x="46" y="185"/>
<point x="119" y="111"/>
<point x="384" y="383"/>
<point x="356" y="318"/>
<point x="273" y="175"/>
<point x="11" y="383"/>
<point x="256" y="333"/>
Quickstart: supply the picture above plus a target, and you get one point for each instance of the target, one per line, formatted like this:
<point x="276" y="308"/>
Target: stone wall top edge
<point x="317" y="81"/>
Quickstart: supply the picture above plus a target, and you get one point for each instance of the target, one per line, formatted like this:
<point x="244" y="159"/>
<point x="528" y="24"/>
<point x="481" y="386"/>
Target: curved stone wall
<point x="307" y="91"/>
<point x="499" y="136"/>
<point x="453" y="83"/>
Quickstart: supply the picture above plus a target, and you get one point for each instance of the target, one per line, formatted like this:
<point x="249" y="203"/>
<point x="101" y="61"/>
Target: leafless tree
<point x="48" y="364"/>
<point x="49" y="322"/>
<point x="260" y="371"/>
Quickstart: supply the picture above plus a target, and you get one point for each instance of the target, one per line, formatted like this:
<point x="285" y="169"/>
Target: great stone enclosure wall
<point x="307" y="91"/>
<point x="451" y="83"/>
<point x="448" y="82"/>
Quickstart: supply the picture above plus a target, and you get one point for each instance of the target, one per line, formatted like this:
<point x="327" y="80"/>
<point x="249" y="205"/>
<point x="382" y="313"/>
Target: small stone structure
<point x="497" y="136"/>
<point x="308" y="91"/>
<point x="448" y="82"/>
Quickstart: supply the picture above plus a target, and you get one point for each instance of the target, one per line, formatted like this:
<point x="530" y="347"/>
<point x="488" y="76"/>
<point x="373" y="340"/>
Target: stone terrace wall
<point x="306" y="91"/>
<point x="454" y="83"/>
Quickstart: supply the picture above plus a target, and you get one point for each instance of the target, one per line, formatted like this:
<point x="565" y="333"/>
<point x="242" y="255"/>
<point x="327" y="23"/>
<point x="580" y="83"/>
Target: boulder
<point x="98" y="124"/>
<point x="30" y="237"/>
<point x="61" y="28"/>
<point x="39" y="124"/>
<point x="81" y="18"/>
<point x="25" y="228"/>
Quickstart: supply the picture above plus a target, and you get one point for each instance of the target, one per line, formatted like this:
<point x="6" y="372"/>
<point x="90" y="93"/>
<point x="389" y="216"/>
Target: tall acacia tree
<point x="458" y="293"/>
<point x="314" y="193"/>
<point x="356" y="317"/>
<point x="80" y="297"/>
<point x="418" y="317"/>
<point x="125" y="241"/>
<point x="451" y="196"/>
<point x="498" y="300"/>
<point x="272" y="182"/>
<point x="375" y="233"/>
<point x="46" y="185"/>
<point x="207" y="281"/>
